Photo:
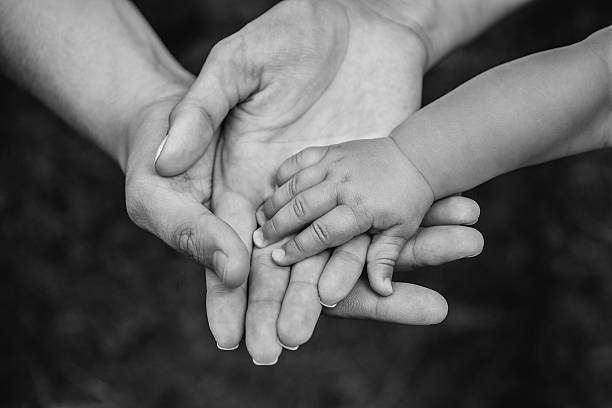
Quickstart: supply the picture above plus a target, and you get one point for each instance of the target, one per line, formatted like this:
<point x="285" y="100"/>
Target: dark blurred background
<point x="93" y="309"/>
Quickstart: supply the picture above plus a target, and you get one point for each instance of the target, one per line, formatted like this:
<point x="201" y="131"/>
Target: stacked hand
<point x="306" y="73"/>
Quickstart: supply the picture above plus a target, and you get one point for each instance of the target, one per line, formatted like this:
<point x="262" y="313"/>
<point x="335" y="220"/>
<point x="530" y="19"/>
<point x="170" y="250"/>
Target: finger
<point x="190" y="228"/>
<point x="382" y="257"/>
<point x="225" y="310"/>
<point x="300" y="211"/>
<point x="343" y="270"/>
<point x="454" y="210"/>
<point x="409" y="304"/>
<point x="297" y="184"/>
<point x="300" y="309"/>
<point x="224" y="81"/>
<point x="332" y="229"/>
<point x="226" y="307"/>
<point x="299" y="161"/>
<point x="437" y="245"/>
<point x="267" y="286"/>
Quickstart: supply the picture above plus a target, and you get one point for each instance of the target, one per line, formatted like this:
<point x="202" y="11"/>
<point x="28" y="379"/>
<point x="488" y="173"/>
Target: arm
<point x="539" y="108"/>
<point x="101" y="68"/>
<point x="444" y="25"/>
<point x="94" y="63"/>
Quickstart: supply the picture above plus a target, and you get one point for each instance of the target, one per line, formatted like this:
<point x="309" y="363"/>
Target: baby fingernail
<point x="160" y="148"/>
<point x="278" y="255"/>
<point x="258" y="239"/>
<point x="388" y="286"/>
<point x="257" y="363"/>
<point x="220" y="347"/>
<point x="327" y="306"/>
<point x="260" y="216"/>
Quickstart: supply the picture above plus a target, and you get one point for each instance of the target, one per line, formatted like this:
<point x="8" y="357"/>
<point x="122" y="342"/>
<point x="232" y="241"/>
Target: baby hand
<point x="343" y="191"/>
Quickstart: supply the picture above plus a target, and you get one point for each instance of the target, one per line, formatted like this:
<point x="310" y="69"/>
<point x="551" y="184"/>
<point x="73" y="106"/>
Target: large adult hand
<point x="305" y="73"/>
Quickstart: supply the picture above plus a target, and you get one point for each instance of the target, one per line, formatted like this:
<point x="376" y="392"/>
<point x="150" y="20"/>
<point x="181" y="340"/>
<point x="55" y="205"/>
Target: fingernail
<point x="220" y="263"/>
<point x="473" y="255"/>
<point x="227" y="348"/>
<point x="160" y="148"/>
<point x="258" y="239"/>
<point x="287" y="347"/>
<point x="278" y="255"/>
<point x="387" y="285"/>
<point x="327" y="306"/>
<point x="265" y="364"/>
<point x="260" y="216"/>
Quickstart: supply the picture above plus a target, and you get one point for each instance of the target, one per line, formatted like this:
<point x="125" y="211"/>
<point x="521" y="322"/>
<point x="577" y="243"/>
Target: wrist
<point x="600" y="44"/>
<point x="419" y="170"/>
<point x="418" y="16"/>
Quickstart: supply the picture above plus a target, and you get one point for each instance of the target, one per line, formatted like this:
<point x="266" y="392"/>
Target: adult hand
<point x="305" y="73"/>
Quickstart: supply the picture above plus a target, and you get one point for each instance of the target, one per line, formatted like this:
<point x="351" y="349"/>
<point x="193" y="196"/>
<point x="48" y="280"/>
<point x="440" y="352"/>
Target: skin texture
<point x="330" y="89"/>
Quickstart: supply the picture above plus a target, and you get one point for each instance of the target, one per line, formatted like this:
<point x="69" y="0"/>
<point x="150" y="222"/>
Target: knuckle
<point x="320" y="232"/>
<point x="271" y="227"/>
<point x="293" y="186"/>
<point x="299" y="206"/>
<point x="185" y="240"/>
<point x="348" y="257"/>
<point x="298" y="244"/>
<point x="360" y="217"/>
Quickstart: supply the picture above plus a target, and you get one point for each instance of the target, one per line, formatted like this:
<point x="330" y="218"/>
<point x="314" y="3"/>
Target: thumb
<point x="225" y="80"/>
<point x="381" y="259"/>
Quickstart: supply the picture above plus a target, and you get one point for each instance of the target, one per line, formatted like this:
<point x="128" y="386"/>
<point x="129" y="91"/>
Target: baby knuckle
<point x="386" y="261"/>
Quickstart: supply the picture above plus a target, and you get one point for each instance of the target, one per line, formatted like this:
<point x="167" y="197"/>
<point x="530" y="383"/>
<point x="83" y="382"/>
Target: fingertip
<point x="290" y="348"/>
<point x="228" y="347"/>
<point x="329" y="305"/>
<point x="258" y="239"/>
<point x="233" y="270"/>
<point x="265" y="363"/>
<point x="387" y="287"/>
<point x="472" y="211"/>
<point x="477" y="242"/>
<point x="260" y="216"/>
<point x="279" y="256"/>
<point x="382" y="286"/>
<point x="174" y="160"/>
<point x="160" y="148"/>
<point x="439" y="311"/>
<point x="185" y="143"/>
